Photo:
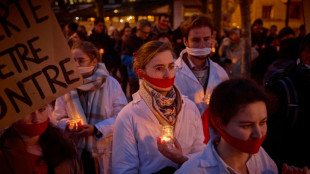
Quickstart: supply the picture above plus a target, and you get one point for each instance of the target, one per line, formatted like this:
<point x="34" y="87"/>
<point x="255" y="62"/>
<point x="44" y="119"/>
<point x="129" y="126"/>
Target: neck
<point x="198" y="62"/>
<point x="31" y="141"/>
<point x="232" y="157"/>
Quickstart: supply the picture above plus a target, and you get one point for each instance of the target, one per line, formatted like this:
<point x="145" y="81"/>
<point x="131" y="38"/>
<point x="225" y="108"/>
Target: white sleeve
<point x="116" y="96"/>
<point x="198" y="145"/>
<point x="60" y="114"/>
<point x="125" y="158"/>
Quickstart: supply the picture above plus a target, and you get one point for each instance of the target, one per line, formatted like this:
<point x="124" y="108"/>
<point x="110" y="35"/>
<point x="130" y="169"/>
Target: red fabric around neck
<point x="31" y="130"/>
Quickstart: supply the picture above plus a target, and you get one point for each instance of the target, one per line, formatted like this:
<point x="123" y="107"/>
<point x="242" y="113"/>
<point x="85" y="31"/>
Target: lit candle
<point x="74" y="125"/>
<point x="167" y="135"/>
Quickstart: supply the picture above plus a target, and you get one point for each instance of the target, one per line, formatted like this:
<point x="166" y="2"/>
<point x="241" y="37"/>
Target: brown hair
<point x="230" y="96"/>
<point x="148" y="51"/>
<point x="89" y="49"/>
<point x="195" y="21"/>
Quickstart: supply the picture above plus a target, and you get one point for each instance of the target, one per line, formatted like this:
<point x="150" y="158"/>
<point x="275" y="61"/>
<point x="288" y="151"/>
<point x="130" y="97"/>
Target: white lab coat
<point x="114" y="100"/>
<point x="136" y="132"/>
<point x="209" y="162"/>
<point x="189" y="85"/>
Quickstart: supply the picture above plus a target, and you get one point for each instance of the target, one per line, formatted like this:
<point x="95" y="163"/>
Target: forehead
<point x="199" y="32"/>
<point x="146" y="28"/>
<point x="253" y="112"/>
<point x="78" y="53"/>
<point x="164" y="58"/>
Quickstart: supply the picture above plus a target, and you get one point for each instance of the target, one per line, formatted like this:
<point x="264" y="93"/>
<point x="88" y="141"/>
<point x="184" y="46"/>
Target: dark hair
<point x="258" y="21"/>
<point x="143" y="23"/>
<point x="162" y="15"/>
<point x="98" y="19"/>
<point x="88" y="48"/>
<point x="73" y="26"/>
<point x="57" y="146"/>
<point x="302" y="27"/>
<point x="195" y="21"/>
<point x="232" y="95"/>
<point x="305" y="44"/>
<point x="284" y="32"/>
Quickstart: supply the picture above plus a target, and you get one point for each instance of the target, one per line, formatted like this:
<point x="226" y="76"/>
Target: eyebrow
<point x="172" y="63"/>
<point x="252" y="121"/>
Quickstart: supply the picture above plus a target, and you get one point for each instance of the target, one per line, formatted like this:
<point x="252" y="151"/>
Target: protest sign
<point x="35" y="63"/>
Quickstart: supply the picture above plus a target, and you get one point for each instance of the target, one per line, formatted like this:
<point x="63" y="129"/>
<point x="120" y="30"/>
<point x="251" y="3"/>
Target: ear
<point x="94" y="62"/>
<point x="185" y="41"/>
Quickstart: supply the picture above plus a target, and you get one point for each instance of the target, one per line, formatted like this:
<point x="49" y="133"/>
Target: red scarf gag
<point x="161" y="83"/>
<point x="165" y="25"/>
<point x="247" y="146"/>
<point x="31" y="130"/>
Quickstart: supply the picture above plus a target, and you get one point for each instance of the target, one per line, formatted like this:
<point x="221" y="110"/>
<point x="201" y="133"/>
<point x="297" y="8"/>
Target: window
<point x="295" y="10"/>
<point x="267" y="12"/>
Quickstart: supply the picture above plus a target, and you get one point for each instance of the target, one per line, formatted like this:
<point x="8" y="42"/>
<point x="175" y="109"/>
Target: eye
<point x="42" y="109"/>
<point x="159" y="68"/>
<point x="262" y="123"/>
<point x="171" y="67"/>
<point x="246" y="126"/>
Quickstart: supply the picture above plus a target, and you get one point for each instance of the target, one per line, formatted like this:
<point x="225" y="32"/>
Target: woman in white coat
<point x="238" y="113"/>
<point x="137" y="147"/>
<point x="95" y="104"/>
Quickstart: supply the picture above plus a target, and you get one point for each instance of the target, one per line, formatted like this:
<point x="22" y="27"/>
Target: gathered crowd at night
<point x="154" y="87"/>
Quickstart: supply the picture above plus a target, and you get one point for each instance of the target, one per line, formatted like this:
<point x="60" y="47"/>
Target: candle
<point x="74" y="125"/>
<point x="167" y="135"/>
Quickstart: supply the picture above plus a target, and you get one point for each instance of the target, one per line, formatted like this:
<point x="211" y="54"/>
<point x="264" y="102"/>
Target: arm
<point x="127" y="60"/>
<point x="125" y="157"/>
<point x="60" y="113"/>
<point x="118" y="99"/>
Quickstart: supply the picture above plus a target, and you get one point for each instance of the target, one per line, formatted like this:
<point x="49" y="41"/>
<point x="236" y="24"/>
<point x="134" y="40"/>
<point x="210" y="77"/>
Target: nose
<point x="257" y="132"/>
<point x="35" y="117"/>
<point x="167" y="74"/>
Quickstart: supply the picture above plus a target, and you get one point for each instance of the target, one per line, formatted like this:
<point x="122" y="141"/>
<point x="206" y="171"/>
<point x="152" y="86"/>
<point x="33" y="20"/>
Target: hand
<point x="87" y="130"/>
<point x="293" y="170"/>
<point x="174" y="154"/>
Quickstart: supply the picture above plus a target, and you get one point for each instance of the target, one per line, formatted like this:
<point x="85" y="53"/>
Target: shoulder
<point x="218" y="69"/>
<point x="69" y="166"/>
<point x="263" y="161"/>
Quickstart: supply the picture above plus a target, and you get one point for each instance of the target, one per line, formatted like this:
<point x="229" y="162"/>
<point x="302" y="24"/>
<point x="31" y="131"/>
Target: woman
<point x="32" y="146"/>
<point x="238" y="114"/>
<point x="158" y="103"/>
<point x="95" y="104"/>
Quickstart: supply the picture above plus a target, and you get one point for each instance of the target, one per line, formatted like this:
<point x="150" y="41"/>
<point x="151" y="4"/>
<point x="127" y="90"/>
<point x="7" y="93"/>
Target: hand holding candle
<point x="167" y="135"/>
<point x="74" y="125"/>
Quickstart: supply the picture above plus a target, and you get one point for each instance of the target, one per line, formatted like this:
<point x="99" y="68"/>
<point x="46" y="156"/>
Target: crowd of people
<point x="189" y="109"/>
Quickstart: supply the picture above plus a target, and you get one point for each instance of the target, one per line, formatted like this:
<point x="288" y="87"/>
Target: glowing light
<point x="115" y="11"/>
<point x="77" y="18"/>
<point x="121" y="20"/>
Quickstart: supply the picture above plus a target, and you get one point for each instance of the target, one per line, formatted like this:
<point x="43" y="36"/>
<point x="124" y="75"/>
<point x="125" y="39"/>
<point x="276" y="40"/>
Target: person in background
<point x="258" y="35"/>
<point x="196" y="74"/>
<point x="104" y="44"/>
<point x="272" y="36"/>
<point x="137" y="146"/>
<point x="231" y="48"/>
<point x="77" y="37"/>
<point x="129" y="49"/>
<point x="125" y="34"/>
<point x="162" y="25"/>
<point x="32" y="145"/>
<point x="288" y="123"/>
<point x="94" y="106"/>
<point x="238" y="115"/>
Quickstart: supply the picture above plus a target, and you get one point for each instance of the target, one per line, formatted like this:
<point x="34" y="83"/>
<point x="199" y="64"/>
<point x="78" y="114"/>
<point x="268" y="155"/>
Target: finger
<point x="159" y="145"/>
<point x="305" y="170"/>
<point x="177" y="144"/>
<point x="284" y="168"/>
